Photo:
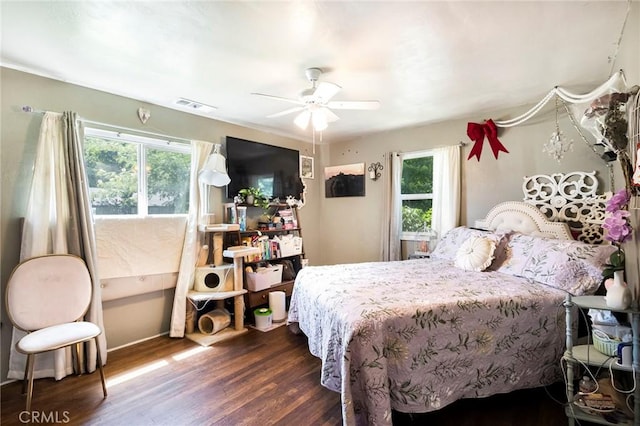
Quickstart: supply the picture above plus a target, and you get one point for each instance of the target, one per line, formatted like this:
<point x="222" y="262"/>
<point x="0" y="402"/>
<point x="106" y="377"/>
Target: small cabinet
<point x="257" y="298"/>
<point x="587" y="354"/>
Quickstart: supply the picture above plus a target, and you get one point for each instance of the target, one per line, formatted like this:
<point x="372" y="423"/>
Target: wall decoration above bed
<point x="571" y="198"/>
<point x="344" y="181"/>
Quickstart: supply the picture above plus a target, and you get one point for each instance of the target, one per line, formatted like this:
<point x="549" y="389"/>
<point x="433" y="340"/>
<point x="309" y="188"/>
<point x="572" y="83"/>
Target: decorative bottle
<point x="242" y="218"/>
<point x="586" y="385"/>
<point x="618" y="295"/>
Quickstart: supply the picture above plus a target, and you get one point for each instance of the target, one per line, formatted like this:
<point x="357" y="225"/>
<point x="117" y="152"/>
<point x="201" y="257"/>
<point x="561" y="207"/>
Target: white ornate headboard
<point x="522" y="217"/>
<point x="571" y="198"/>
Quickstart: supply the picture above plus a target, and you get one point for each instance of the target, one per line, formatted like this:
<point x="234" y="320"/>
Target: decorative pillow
<point x="569" y="265"/>
<point x="451" y="241"/>
<point x="475" y="254"/>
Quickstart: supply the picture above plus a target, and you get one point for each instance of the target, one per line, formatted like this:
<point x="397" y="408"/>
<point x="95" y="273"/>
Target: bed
<point x="416" y="335"/>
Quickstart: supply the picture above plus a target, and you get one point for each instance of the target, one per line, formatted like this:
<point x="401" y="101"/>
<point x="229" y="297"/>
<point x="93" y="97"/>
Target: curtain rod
<point x="169" y="138"/>
<point x="460" y="144"/>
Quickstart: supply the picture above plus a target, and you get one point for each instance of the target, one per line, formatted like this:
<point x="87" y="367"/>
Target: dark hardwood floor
<point x="254" y="379"/>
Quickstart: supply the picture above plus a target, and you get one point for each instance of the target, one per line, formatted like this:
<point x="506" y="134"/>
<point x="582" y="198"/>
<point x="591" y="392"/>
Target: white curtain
<point x="58" y="220"/>
<point x="446" y="198"/>
<point x="392" y="204"/>
<point x="446" y="189"/>
<point x="199" y="154"/>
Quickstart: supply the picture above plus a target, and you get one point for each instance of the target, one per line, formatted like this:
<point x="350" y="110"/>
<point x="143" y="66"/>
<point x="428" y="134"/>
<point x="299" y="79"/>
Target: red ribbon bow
<point x="477" y="132"/>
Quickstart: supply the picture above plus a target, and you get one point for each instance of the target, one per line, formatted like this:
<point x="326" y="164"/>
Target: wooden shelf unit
<point x="258" y="298"/>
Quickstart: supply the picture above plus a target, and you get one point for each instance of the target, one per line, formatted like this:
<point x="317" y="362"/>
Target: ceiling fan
<point x="315" y="105"/>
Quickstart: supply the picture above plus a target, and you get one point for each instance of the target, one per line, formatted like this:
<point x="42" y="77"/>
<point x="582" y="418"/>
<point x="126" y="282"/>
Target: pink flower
<point x="617" y="226"/>
<point x="618" y="229"/>
<point x="618" y="201"/>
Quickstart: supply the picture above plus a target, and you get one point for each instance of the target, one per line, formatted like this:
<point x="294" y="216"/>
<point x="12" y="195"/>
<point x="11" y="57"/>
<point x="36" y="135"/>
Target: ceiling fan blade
<point x="369" y="105"/>
<point x="331" y="116"/>
<point x="278" y="98"/>
<point x="325" y="91"/>
<point x="285" y="112"/>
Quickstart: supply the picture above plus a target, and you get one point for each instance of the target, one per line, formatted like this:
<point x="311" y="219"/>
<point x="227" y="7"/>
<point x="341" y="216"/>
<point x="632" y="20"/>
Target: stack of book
<point x="595" y="403"/>
<point x="269" y="248"/>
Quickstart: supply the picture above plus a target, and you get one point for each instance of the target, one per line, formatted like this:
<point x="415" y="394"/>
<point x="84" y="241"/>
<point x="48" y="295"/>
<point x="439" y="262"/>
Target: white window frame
<point x="406" y="235"/>
<point x="141" y="143"/>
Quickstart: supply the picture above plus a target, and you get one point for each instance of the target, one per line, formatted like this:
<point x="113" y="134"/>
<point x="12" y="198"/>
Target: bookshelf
<point x="277" y="242"/>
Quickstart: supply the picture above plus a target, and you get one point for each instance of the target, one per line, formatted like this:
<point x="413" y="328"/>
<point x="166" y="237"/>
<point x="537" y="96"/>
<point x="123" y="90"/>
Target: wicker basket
<point x="605" y="344"/>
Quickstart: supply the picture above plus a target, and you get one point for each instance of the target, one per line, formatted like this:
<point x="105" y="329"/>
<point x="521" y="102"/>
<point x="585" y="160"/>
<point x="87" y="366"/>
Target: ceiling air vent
<point x="193" y="105"/>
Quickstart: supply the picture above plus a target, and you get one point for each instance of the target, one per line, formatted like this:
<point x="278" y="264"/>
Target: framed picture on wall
<point x="306" y="167"/>
<point x="344" y="181"/>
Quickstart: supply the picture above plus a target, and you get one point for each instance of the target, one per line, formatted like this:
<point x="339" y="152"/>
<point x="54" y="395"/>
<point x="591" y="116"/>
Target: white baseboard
<point x="137" y="341"/>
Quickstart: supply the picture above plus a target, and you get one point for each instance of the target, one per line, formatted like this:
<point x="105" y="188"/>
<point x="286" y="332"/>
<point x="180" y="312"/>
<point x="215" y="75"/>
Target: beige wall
<point x="336" y="230"/>
<point x="484" y="183"/>
<point x="137" y="317"/>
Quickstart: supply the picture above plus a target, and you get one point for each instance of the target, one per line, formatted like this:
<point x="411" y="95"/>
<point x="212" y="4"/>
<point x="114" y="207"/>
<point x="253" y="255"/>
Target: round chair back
<point x="48" y="290"/>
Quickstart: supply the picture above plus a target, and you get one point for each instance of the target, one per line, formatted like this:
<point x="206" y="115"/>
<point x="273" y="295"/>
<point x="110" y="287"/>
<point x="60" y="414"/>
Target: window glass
<point x="112" y="170"/>
<point x="416" y="188"/>
<point x="167" y="181"/>
<point x="416" y="215"/>
<point x="114" y="162"/>
<point x="417" y="175"/>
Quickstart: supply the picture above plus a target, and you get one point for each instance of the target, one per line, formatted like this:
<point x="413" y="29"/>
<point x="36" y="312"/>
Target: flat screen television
<point x="275" y="170"/>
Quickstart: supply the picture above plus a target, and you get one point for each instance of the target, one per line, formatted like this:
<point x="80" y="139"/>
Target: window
<point x="134" y="175"/>
<point x="416" y="190"/>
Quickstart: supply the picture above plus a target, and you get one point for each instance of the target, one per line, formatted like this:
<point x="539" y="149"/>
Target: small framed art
<point x="344" y="181"/>
<point x="306" y="167"/>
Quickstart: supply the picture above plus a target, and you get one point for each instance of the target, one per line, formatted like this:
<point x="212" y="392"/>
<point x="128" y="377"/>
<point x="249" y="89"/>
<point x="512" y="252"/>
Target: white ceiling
<point x="424" y="61"/>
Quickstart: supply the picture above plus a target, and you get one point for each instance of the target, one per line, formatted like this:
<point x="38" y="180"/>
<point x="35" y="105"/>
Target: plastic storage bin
<point x="264" y="278"/>
<point x="289" y="245"/>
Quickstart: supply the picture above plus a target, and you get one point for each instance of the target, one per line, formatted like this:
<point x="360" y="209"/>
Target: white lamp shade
<point x="214" y="171"/>
<point x="319" y="120"/>
<point x="302" y="120"/>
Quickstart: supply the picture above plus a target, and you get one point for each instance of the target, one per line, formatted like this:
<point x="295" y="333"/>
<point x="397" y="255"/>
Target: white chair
<point x="47" y="297"/>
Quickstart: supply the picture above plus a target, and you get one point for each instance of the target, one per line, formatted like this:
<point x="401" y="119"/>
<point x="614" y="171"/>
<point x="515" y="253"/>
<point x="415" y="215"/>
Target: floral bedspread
<point x="416" y="335"/>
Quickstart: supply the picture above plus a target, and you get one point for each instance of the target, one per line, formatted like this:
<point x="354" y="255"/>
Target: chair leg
<point x="30" y="365"/>
<point x="76" y="356"/>
<point x="25" y="380"/>
<point x="104" y="384"/>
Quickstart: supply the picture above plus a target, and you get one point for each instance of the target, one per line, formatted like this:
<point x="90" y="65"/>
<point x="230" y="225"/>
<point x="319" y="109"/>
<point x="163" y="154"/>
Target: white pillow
<point x="451" y="241"/>
<point x="475" y="254"/>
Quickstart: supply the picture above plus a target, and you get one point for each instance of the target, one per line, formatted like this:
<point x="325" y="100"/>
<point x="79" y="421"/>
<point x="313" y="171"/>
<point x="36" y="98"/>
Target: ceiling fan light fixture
<point x="302" y="120"/>
<point x="319" y="119"/>
<point x="315" y="103"/>
<point x="330" y="115"/>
